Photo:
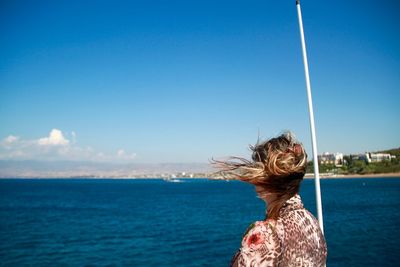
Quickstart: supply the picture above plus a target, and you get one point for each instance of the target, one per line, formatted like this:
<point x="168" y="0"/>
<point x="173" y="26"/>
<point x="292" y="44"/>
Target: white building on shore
<point x="378" y="157"/>
<point x="331" y="158"/>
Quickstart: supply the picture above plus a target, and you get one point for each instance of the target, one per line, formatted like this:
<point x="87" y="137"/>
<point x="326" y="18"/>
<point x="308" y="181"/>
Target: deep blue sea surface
<point x="83" y="222"/>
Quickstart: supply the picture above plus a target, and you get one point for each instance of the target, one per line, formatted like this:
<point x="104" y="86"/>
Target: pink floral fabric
<point x="295" y="239"/>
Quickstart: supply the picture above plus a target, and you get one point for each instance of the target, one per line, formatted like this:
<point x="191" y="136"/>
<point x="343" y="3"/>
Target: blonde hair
<point x="278" y="166"/>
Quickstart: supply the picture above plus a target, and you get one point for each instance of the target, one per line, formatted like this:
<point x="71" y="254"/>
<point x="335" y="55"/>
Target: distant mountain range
<point x="66" y="169"/>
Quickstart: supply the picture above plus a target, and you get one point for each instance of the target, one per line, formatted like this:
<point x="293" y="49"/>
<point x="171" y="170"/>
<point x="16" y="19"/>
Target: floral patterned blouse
<point x="294" y="239"/>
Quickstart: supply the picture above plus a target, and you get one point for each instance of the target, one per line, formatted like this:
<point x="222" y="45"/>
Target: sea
<point x="189" y="222"/>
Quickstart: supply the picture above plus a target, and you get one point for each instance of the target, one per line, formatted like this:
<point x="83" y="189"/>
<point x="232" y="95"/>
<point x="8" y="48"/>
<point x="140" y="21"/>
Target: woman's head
<point x="277" y="167"/>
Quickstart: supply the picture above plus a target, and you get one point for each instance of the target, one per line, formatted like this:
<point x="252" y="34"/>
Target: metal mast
<point x="312" y="125"/>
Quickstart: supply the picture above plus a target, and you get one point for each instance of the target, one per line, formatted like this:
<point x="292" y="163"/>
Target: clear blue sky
<point x="184" y="81"/>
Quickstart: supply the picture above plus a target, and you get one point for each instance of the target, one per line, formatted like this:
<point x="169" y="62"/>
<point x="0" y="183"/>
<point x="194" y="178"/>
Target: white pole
<point x="312" y="125"/>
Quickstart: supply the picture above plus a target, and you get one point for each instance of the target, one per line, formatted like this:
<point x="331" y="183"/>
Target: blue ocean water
<point x="193" y="223"/>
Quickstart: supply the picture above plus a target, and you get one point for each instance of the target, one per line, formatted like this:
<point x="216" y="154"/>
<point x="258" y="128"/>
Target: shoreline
<point x="307" y="176"/>
<point x="344" y="176"/>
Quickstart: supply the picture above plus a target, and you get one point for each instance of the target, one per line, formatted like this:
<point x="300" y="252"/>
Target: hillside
<point x="393" y="151"/>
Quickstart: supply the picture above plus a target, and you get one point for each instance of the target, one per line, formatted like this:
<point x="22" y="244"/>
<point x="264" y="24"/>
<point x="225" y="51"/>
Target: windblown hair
<point x="277" y="167"/>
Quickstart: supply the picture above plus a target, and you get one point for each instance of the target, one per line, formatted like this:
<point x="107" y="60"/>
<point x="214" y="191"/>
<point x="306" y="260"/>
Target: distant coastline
<point x="340" y="176"/>
<point x="205" y="176"/>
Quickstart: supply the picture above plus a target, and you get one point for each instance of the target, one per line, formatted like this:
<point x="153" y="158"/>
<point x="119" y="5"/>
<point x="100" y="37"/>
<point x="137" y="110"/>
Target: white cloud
<point x="57" y="147"/>
<point x="10" y="139"/>
<point x="9" y="142"/>
<point x="55" y="137"/>
<point x="122" y="155"/>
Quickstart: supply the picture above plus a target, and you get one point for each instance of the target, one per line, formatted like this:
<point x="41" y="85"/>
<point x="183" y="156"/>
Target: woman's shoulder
<point x="259" y="226"/>
<point x="299" y="217"/>
<point x="261" y="246"/>
<point x="259" y="232"/>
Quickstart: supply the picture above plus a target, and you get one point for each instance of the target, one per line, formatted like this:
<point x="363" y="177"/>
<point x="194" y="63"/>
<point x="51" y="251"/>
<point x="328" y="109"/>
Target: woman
<point x="290" y="234"/>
